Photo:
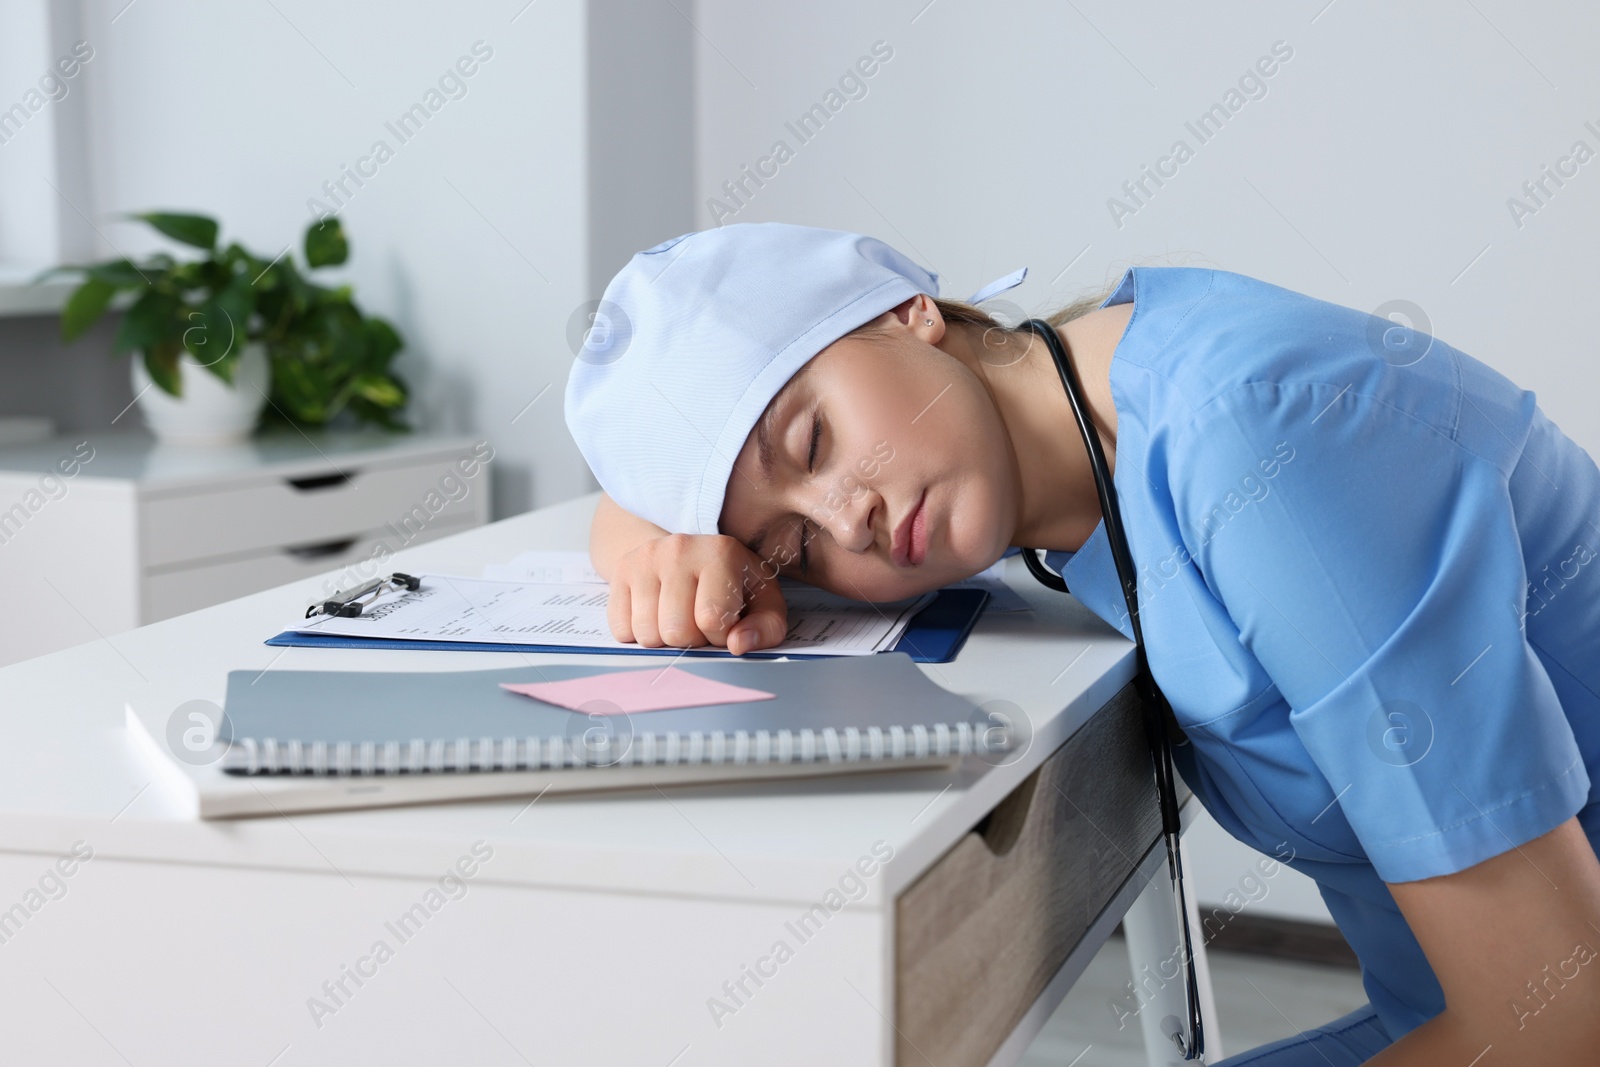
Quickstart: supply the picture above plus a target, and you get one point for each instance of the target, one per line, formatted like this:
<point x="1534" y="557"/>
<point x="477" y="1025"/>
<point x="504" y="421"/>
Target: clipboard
<point x="934" y="635"/>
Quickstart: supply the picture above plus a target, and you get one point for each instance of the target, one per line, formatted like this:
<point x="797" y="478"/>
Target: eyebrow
<point x="764" y="440"/>
<point x="767" y="453"/>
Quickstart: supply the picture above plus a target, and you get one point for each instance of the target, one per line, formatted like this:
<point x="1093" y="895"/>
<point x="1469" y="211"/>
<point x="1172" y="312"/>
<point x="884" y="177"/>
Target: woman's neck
<point x="1058" y="506"/>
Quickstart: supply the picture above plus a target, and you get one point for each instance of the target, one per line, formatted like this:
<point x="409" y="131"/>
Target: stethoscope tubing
<point x="1154" y="703"/>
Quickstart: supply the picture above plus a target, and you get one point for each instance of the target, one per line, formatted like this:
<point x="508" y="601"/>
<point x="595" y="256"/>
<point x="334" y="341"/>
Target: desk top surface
<point x="68" y="772"/>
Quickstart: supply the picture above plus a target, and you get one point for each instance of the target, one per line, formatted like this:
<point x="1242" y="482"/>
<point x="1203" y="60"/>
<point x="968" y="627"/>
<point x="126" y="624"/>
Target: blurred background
<point x="1433" y="160"/>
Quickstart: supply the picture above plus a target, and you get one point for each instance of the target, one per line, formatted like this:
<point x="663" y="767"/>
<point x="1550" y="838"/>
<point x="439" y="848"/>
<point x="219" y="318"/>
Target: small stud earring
<point x="927" y="322"/>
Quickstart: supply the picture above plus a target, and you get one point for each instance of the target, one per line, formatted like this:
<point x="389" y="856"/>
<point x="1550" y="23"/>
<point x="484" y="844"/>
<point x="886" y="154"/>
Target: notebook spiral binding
<point x="270" y="756"/>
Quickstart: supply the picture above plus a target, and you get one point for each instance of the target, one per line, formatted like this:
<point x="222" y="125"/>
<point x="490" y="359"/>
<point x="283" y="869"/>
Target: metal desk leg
<point x="1155" y="953"/>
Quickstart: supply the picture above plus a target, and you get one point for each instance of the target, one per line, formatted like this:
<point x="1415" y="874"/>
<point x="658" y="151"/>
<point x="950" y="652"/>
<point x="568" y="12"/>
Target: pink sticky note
<point x="633" y="691"/>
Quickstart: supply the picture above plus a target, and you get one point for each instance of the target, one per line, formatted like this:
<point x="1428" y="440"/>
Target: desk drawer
<point x="978" y="936"/>
<point x="269" y="513"/>
<point x="184" y="589"/>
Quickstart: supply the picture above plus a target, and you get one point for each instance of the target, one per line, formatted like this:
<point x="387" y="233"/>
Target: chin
<point x="969" y="547"/>
<point x="933" y="573"/>
<point x="895" y="584"/>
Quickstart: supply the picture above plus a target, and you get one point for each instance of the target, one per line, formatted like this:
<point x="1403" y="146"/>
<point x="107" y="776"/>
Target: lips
<point x="902" y="547"/>
<point x="919" y="533"/>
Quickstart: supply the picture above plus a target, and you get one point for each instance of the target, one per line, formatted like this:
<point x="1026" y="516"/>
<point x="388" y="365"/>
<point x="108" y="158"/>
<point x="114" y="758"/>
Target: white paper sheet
<point x="573" y="613"/>
<point x="544" y="565"/>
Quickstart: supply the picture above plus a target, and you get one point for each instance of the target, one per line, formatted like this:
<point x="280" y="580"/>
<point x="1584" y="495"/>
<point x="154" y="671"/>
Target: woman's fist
<point x="685" y="590"/>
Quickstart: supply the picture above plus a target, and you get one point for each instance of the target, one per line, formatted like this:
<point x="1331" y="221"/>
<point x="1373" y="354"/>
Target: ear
<point x="903" y="310"/>
<point x="914" y="315"/>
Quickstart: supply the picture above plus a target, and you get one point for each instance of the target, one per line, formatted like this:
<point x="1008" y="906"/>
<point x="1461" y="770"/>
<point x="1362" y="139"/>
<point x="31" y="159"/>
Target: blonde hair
<point x="959" y="312"/>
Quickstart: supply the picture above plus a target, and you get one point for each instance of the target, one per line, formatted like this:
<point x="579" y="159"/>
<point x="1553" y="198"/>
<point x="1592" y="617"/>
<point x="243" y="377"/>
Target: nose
<point x="848" y="517"/>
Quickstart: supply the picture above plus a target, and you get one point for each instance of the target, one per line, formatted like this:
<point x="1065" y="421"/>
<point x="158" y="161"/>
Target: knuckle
<point x="679" y="632"/>
<point x="708" y="617"/>
<point x="675" y="545"/>
<point x="644" y="630"/>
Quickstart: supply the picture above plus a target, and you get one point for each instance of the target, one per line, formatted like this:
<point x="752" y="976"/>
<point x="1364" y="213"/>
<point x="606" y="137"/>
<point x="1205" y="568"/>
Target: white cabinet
<point x="101" y="533"/>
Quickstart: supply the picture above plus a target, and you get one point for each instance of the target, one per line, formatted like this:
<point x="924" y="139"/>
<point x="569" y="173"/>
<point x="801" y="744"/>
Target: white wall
<point x="472" y="237"/>
<point x="27" y="136"/>
<point x="1377" y="166"/>
<point x="43" y="58"/>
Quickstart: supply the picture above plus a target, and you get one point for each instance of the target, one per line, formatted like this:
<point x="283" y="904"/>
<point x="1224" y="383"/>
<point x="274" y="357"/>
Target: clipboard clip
<point x="348" y="603"/>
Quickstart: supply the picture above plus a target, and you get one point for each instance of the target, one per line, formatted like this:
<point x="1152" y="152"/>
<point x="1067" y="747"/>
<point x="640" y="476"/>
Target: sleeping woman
<point x="1365" y="562"/>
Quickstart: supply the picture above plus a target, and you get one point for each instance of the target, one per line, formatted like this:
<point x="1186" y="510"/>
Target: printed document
<point x="573" y="613"/>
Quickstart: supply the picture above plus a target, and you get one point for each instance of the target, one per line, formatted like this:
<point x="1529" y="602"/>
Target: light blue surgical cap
<point x="695" y="336"/>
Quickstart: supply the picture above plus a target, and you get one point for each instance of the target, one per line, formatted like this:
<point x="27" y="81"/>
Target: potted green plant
<point x="232" y="339"/>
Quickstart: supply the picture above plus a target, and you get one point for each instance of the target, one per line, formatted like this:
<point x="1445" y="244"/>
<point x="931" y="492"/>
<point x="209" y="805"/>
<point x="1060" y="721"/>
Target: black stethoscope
<point x="1158" y="716"/>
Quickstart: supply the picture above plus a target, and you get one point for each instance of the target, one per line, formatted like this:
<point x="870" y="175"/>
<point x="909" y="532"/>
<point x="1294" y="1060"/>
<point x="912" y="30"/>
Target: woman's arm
<point x="1513" y="942"/>
<point x="616" y="532"/>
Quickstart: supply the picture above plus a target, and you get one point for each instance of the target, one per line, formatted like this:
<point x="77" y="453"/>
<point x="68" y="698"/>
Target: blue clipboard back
<point x="934" y="635"/>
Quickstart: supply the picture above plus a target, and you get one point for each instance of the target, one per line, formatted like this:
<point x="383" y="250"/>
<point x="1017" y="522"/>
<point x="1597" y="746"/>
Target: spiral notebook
<point x="317" y="740"/>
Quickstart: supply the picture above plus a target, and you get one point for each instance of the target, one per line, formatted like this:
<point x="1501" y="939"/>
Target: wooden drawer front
<point x="270" y="513"/>
<point x="979" y="935"/>
<point x="184" y="589"/>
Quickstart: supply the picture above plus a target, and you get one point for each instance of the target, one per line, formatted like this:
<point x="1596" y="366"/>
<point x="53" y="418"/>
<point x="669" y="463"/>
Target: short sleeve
<point x="1373" y="567"/>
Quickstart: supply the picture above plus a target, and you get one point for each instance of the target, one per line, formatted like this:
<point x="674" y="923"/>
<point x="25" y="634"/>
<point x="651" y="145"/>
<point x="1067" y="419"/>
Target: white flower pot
<point x="210" y="411"/>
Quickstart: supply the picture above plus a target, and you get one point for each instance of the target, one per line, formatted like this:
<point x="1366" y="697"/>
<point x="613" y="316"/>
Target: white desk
<point x="602" y="925"/>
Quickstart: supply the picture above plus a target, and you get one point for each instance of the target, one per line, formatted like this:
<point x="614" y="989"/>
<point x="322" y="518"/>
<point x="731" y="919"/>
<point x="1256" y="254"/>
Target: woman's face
<point x="896" y="425"/>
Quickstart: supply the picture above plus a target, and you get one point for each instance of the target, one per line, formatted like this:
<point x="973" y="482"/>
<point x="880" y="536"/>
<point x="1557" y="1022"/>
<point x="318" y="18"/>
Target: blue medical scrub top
<point x="1368" y="585"/>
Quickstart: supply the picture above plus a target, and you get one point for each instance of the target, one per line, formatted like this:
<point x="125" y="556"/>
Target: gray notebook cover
<point x="856" y="707"/>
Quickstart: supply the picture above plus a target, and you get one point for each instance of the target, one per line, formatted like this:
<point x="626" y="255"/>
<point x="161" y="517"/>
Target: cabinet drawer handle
<point x="321" y="550"/>
<point x="1002" y="827"/>
<point x="320" y="481"/>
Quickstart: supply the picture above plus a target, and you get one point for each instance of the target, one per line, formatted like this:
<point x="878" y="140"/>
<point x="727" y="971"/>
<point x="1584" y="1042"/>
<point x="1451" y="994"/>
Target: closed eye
<point x="811" y="461"/>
